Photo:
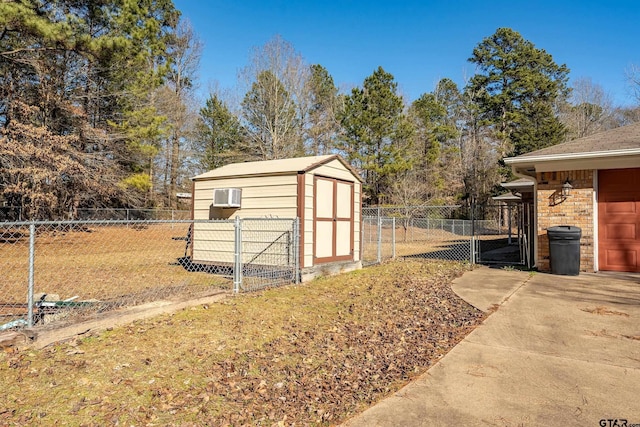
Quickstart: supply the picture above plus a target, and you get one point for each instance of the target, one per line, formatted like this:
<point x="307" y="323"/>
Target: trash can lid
<point x="564" y="229"/>
<point x="564" y="232"/>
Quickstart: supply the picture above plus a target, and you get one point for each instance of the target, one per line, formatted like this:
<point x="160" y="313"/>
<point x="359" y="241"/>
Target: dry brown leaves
<point x="318" y="369"/>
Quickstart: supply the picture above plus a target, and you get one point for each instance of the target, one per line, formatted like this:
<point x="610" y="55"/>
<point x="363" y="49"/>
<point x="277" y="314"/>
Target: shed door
<point x="333" y="219"/>
<point x="619" y="220"/>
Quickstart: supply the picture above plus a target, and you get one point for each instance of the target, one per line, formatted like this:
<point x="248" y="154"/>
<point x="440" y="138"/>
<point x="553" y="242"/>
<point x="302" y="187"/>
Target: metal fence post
<point x="237" y="256"/>
<point x="296" y="250"/>
<point x="393" y="237"/>
<point x="379" y="237"/>
<point x="32" y="247"/>
<point x="411" y="228"/>
<point x="472" y="241"/>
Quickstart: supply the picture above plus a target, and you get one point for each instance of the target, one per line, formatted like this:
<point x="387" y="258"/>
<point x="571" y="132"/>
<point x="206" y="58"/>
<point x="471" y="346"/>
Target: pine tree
<point x="376" y="133"/>
<point x="517" y="87"/>
<point x="86" y="71"/>
<point x="220" y="135"/>
<point x="322" y="127"/>
<point x="435" y="140"/>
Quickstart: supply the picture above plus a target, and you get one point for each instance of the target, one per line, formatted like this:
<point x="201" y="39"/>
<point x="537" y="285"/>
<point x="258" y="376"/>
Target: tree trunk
<point x="173" y="175"/>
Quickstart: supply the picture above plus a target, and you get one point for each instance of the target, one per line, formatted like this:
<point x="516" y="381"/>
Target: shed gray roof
<point x="615" y="140"/>
<point x="273" y="167"/>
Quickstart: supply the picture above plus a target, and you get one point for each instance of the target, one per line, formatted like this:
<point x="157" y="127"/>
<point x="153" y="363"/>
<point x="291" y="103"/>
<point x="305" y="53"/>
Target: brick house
<point x="602" y="175"/>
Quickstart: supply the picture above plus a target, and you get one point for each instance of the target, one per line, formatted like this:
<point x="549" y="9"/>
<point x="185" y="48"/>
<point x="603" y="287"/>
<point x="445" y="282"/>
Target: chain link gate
<point x="502" y="233"/>
<point x="269" y="253"/>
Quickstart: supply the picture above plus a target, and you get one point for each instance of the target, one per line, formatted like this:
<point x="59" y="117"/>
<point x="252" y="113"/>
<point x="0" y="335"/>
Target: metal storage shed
<point x="324" y="192"/>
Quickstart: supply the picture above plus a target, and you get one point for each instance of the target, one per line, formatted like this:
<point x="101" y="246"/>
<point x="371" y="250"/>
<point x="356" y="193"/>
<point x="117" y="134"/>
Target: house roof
<point x="613" y="149"/>
<point x="521" y="185"/>
<point x="274" y="167"/>
<point x="620" y="141"/>
<point x="507" y="197"/>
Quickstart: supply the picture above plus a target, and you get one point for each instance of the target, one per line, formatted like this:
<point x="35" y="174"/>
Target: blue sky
<point x="419" y="42"/>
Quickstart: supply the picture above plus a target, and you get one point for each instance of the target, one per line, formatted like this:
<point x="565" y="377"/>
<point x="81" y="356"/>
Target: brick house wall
<point x="577" y="209"/>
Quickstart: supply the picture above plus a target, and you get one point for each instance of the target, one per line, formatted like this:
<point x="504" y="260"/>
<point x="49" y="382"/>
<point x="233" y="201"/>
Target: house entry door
<point x="619" y="220"/>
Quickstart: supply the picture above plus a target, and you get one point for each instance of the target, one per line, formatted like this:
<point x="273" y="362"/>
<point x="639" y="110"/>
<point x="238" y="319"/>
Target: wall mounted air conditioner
<point x="227" y="197"/>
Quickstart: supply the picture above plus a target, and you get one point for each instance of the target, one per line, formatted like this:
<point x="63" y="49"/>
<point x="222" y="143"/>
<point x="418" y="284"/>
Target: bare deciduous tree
<point x="276" y="103"/>
<point x="46" y="175"/>
<point x="633" y="79"/>
<point x="588" y="110"/>
<point x="176" y="102"/>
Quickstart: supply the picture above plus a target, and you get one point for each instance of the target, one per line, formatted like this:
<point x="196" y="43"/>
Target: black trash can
<point x="564" y="249"/>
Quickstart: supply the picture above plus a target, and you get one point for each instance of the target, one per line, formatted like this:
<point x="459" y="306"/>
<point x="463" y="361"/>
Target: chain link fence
<point x="492" y="234"/>
<point x="15" y="214"/>
<point x="132" y="214"/>
<point x="435" y="232"/>
<point x="270" y="253"/>
<point x="56" y="272"/>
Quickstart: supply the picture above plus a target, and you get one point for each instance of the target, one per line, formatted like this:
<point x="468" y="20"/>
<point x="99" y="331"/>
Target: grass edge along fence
<point x="58" y="270"/>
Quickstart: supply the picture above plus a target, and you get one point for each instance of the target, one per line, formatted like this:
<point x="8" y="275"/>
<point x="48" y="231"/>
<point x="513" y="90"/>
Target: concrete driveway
<point x="557" y="351"/>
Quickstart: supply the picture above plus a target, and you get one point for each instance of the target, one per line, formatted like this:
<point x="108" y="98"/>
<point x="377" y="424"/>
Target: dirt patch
<point x="604" y="311"/>
<point x="608" y="334"/>
<point x="313" y="354"/>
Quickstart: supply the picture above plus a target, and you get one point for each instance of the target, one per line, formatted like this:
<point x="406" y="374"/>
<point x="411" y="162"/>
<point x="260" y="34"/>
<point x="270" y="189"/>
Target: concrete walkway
<point x="557" y="351"/>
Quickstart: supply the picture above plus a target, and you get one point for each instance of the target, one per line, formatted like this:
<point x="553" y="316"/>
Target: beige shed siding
<point x="308" y="222"/>
<point x="213" y="242"/>
<point x="260" y="196"/>
<point x="334" y="169"/>
<point x="273" y="194"/>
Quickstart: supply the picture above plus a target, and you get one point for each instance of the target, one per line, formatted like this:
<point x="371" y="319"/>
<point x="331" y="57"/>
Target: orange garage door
<point x="619" y="220"/>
